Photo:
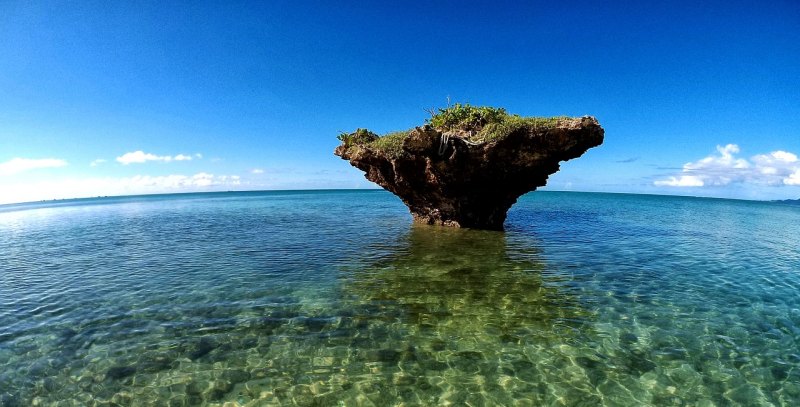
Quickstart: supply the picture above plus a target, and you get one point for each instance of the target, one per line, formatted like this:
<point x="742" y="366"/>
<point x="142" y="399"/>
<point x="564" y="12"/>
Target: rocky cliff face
<point x="447" y="179"/>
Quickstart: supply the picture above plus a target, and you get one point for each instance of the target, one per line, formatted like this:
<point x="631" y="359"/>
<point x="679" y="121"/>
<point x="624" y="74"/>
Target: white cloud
<point x="773" y="169"/>
<point x="780" y="167"/>
<point x="198" y="155"/>
<point x="17" y="165"/>
<point x="141" y="157"/>
<point x="201" y="179"/>
<point x="793" y="178"/>
<point x="97" y="162"/>
<point x="682" y="181"/>
<point x="139" y="184"/>
<point x="138" y="157"/>
<point x="256" y="171"/>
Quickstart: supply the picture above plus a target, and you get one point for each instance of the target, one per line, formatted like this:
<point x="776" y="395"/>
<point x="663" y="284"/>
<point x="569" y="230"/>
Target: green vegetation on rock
<point x="478" y="124"/>
<point x="513" y="123"/>
<point x="391" y="143"/>
<point x="486" y="123"/>
<point x="466" y="117"/>
<point x="358" y="137"/>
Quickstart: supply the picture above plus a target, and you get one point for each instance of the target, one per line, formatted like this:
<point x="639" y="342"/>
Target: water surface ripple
<point x="335" y="298"/>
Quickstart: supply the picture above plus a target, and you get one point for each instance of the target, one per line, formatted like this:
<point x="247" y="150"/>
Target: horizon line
<point x="154" y="195"/>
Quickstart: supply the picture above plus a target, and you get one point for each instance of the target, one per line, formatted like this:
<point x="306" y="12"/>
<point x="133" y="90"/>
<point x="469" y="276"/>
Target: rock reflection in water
<point x="461" y="283"/>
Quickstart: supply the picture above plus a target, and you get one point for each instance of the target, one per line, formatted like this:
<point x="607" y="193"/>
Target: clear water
<point x="335" y="298"/>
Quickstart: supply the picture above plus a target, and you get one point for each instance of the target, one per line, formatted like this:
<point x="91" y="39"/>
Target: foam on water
<point x="334" y="298"/>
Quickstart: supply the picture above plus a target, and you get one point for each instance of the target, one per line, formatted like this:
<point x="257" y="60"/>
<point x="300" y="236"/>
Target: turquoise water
<point x="334" y="298"/>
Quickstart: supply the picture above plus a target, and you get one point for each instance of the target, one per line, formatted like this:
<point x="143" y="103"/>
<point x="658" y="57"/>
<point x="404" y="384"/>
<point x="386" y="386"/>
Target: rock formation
<point x="450" y="177"/>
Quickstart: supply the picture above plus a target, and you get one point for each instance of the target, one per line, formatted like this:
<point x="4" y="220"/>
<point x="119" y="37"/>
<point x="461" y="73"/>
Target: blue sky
<point x="100" y="98"/>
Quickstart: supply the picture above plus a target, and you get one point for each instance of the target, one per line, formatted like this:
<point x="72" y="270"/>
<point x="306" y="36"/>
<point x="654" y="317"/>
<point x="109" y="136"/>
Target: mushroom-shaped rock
<point x="469" y="176"/>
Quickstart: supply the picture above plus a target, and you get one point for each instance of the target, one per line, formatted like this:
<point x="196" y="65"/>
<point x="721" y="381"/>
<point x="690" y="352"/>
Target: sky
<point x="105" y="98"/>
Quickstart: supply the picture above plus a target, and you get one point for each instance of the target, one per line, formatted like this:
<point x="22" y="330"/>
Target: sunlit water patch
<point x="334" y="298"/>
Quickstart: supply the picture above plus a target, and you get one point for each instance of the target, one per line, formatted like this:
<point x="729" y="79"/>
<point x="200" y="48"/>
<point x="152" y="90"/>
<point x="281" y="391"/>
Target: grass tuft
<point x="391" y="143"/>
<point x="514" y="123"/>
<point x="475" y="123"/>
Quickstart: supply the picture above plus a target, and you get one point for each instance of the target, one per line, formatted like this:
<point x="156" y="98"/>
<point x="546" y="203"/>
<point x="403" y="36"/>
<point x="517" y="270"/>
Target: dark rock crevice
<point x="472" y="184"/>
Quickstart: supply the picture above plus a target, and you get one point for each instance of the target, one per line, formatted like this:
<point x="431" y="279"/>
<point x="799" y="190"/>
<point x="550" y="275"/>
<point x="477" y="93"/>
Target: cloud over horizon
<point x="773" y="169"/>
<point x="109" y="186"/>
<point x="139" y="156"/>
<point x="17" y="165"/>
<point x="201" y="179"/>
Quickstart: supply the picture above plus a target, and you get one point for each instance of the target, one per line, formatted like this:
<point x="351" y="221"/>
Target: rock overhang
<point x="447" y="177"/>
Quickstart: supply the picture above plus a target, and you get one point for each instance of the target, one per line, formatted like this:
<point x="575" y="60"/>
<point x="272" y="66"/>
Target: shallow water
<point x="335" y="298"/>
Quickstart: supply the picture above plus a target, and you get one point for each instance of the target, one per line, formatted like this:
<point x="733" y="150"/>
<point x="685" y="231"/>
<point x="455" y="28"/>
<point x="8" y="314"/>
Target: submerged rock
<point x="468" y="177"/>
<point x="120" y="372"/>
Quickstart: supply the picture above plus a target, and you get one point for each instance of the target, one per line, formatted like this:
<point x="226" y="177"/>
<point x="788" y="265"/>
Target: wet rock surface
<point x="447" y="179"/>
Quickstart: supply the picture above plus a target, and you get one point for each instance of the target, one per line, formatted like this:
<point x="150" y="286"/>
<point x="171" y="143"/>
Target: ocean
<point x="334" y="298"/>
